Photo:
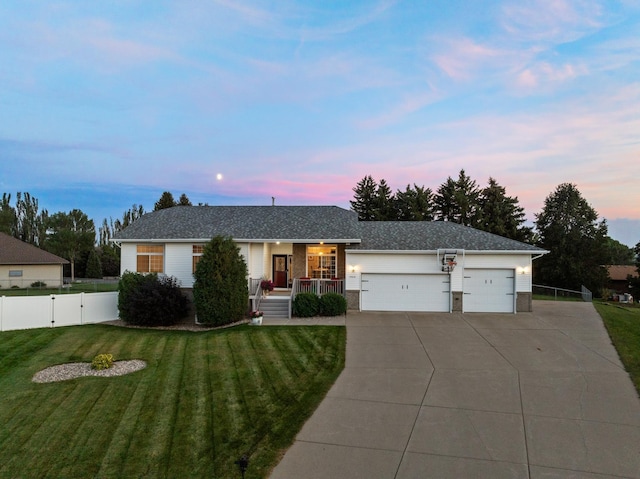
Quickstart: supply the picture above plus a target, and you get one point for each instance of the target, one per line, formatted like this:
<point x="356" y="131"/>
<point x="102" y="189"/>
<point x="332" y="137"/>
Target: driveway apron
<point x="532" y="395"/>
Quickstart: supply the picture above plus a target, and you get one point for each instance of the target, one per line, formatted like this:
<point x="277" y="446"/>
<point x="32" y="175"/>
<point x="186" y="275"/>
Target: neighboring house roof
<point x="319" y="223"/>
<point x="434" y="235"/>
<point x="16" y="252"/>
<point x="619" y="272"/>
<point x="282" y="223"/>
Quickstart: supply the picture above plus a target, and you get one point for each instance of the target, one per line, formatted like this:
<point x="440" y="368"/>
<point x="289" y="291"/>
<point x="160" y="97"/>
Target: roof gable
<point x="16" y="252"/>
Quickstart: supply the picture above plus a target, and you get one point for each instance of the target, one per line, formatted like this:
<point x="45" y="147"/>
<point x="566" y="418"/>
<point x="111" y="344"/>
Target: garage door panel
<point x="489" y="291"/>
<point x="398" y="292"/>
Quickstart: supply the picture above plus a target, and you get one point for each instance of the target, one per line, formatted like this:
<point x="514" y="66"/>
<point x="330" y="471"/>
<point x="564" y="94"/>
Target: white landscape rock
<point x="63" y="372"/>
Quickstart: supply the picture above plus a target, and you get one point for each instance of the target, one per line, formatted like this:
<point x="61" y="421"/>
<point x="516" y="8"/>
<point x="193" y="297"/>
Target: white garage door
<point x="405" y="292"/>
<point x="488" y="291"/>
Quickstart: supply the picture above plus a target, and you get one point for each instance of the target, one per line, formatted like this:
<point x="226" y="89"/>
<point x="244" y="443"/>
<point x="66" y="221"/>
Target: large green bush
<point x="332" y="304"/>
<point x="150" y="300"/>
<point x="220" y="291"/>
<point x="306" y="305"/>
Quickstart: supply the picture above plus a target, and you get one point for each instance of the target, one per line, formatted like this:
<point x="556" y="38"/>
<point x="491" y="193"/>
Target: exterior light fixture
<point x="242" y="464"/>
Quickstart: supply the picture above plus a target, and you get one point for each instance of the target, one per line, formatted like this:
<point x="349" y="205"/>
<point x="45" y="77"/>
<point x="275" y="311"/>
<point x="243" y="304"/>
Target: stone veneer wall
<point x="299" y="260"/>
<point x="457" y="301"/>
<point x="353" y="300"/>
<point x="524" y="303"/>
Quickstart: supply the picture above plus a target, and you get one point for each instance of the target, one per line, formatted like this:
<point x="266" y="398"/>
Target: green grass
<point x="547" y="297"/>
<point x="623" y="324"/>
<point x="203" y="401"/>
<point x="86" y="287"/>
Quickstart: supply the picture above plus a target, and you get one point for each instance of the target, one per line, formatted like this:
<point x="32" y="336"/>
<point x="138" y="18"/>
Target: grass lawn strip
<point x="117" y="451"/>
<point x="623" y="325"/>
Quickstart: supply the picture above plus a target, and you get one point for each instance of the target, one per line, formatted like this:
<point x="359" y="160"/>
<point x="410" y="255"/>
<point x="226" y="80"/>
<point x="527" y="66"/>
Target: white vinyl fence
<point x="26" y="312"/>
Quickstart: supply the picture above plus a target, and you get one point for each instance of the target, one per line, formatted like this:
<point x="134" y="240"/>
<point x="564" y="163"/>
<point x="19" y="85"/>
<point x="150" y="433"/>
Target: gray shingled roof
<point x="312" y="223"/>
<point x="245" y="222"/>
<point x="433" y="235"/>
<point x="16" y="252"/>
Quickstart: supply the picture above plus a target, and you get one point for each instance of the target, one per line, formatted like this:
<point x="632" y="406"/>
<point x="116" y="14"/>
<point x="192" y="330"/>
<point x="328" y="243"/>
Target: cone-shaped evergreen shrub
<point x="220" y="291"/>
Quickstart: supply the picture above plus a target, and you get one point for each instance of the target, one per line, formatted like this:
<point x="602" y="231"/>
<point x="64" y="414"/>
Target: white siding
<point x="394" y="263"/>
<point x="178" y="262"/>
<point x="516" y="262"/>
<point x="128" y="253"/>
<point x="256" y="260"/>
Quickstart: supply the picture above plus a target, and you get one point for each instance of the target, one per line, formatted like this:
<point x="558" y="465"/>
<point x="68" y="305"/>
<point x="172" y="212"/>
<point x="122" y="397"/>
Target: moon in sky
<point x="219" y="176"/>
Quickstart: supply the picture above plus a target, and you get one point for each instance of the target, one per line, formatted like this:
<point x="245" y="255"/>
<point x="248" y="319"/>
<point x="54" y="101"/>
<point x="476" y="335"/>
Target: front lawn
<point x="623" y="324"/>
<point x="204" y="400"/>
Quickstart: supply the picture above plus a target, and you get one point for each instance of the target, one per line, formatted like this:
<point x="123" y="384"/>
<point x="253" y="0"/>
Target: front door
<point x="280" y="271"/>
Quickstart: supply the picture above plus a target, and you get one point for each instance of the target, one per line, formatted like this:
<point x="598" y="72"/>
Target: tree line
<point x="72" y="235"/>
<point x="568" y="226"/>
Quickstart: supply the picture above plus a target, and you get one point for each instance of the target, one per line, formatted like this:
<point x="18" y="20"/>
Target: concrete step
<point x="275" y="307"/>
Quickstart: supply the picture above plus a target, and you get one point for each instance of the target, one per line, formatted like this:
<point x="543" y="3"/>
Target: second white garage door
<point x="405" y="292"/>
<point x="488" y="291"/>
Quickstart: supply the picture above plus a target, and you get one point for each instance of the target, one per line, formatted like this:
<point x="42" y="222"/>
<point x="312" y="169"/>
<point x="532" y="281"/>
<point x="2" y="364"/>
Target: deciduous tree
<point x="569" y="228"/>
<point x="7" y="215"/>
<point x="70" y="235"/>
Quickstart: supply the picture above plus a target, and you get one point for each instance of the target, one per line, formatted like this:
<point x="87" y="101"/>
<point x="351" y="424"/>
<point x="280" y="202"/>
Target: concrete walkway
<point x="428" y="395"/>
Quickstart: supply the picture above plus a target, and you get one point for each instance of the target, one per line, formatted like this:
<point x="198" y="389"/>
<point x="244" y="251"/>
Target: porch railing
<point x="317" y="286"/>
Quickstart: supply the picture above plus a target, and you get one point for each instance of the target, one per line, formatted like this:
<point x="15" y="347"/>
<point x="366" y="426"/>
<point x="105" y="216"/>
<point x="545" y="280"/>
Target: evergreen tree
<point x="94" y="265"/>
<point x="220" y="291"/>
<point x="568" y="227"/>
<point x="166" y="201"/>
<point x="414" y="204"/>
<point x="501" y="214"/>
<point x="384" y="203"/>
<point x="457" y="200"/>
<point x="184" y="200"/>
<point x="364" y="202"/>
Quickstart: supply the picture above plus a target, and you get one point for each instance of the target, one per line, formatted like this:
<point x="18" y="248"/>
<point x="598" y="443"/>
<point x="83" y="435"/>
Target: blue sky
<point x="106" y="104"/>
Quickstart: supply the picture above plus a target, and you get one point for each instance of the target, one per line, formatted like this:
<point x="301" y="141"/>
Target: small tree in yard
<point x="220" y="291"/>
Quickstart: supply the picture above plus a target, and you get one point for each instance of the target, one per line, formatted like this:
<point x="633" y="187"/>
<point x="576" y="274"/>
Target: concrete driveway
<point x="428" y="395"/>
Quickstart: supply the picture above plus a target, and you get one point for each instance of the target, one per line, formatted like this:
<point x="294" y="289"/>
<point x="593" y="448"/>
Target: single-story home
<point x="22" y="264"/>
<point x="619" y="277"/>
<point x="378" y="266"/>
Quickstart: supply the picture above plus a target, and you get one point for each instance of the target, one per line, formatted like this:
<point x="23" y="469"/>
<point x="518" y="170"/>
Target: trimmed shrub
<point x="306" y="305"/>
<point x="150" y="300"/>
<point x="220" y="290"/>
<point x="39" y="284"/>
<point x="102" y="361"/>
<point x="332" y="304"/>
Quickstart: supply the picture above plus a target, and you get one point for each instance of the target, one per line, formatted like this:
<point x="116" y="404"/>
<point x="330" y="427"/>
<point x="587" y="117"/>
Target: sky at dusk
<point x="107" y="104"/>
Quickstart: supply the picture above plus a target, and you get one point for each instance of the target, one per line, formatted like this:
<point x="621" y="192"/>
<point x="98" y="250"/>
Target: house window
<point x="150" y="259"/>
<point x="321" y="261"/>
<point x="197" y="254"/>
<point x="15" y="273"/>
